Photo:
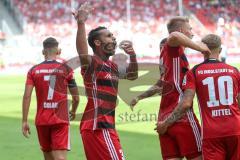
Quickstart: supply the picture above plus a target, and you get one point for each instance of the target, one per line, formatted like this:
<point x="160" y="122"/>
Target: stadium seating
<point x="222" y="17"/>
<point x="59" y="13"/>
<point x="148" y="17"/>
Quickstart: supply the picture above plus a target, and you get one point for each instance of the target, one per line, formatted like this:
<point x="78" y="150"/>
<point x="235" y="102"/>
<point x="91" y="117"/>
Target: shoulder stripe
<point x="94" y="90"/>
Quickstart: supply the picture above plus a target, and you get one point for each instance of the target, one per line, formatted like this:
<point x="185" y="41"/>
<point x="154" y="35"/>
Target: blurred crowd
<point x="54" y="16"/>
<point x="148" y="17"/>
<point x="222" y="18"/>
<point x="46" y="17"/>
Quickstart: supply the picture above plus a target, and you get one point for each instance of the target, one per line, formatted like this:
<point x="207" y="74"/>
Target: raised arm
<point x="176" y="39"/>
<point x="178" y="112"/>
<point x="81" y="16"/>
<point x="132" y="69"/>
<point x="25" y="109"/>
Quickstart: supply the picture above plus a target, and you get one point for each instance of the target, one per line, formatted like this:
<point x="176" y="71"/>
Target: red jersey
<point x="217" y="86"/>
<point x="101" y="84"/>
<point x="50" y="79"/>
<point x="176" y="65"/>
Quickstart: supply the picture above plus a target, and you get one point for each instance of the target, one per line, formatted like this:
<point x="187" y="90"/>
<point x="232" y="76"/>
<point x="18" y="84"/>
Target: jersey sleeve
<point x="70" y="79"/>
<point x="174" y="51"/>
<point x="238" y="82"/>
<point x="90" y="68"/>
<point x="189" y="81"/>
<point x="29" y="80"/>
<point x="237" y="75"/>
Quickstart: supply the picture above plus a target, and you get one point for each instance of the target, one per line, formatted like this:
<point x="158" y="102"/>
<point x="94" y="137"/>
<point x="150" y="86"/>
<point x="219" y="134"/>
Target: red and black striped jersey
<point x="101" y="86"/>
<point x="51" y="79"/>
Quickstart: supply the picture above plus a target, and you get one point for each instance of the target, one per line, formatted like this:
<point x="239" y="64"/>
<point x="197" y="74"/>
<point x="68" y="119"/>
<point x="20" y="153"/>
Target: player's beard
<point x="109" y="48"/>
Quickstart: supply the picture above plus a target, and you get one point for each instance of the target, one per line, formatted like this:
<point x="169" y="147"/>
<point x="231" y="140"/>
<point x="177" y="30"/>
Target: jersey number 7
<point x="52" y="79"/>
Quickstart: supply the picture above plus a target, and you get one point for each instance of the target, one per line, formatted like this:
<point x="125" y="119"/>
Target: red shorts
<point x="54" y="137"/>
<point x="222" y="148"/>
<point x="182" y="139"/>
<point x="102" y="144"/>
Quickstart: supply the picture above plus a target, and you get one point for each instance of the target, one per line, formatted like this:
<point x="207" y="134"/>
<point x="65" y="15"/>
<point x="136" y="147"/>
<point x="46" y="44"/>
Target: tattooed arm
<point x="178" y="112"/>
<point x="156" y="88"/>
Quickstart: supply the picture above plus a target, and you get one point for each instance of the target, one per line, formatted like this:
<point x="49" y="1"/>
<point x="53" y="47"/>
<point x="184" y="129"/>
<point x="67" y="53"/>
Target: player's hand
<point x="204" y="48"/>
<point x="127" y="46"/>
<point x="133" y="103"/>
<point x="26" y="129"/>
<point x="72" y="115"/>
<point x="161" y="128"/>
<point x="83" y="12"/>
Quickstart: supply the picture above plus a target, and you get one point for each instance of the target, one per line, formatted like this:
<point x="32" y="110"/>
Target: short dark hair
<point x="213" y="41"/>
<point x="50" y="42"/>
<point x="93" y="35"/>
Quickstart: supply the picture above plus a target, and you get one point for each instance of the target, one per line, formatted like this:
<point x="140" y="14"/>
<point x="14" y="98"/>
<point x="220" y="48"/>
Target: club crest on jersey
<point x="112" y="77"/>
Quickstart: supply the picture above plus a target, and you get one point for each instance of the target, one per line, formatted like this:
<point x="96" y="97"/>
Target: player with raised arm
<point x="100" y="139"/>
<point x="51" y="80"/>
<point x="174" y="144"/>
<point x="217" y="86"/>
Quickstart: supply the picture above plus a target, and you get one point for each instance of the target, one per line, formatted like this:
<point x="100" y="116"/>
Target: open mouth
<point x="112" y="46"/>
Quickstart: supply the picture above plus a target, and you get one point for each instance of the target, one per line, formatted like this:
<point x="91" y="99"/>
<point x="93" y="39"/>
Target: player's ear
<point x="59" y="51"/>
<point x="43" y="52"/>
<point x="97" y="42"/>
<point x="180" y="30"/>
<point x="220" y="50"/>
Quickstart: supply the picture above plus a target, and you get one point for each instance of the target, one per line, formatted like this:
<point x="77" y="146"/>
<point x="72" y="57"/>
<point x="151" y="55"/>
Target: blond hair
<point x="213" y="41"/>
<point x="176" y="23"/>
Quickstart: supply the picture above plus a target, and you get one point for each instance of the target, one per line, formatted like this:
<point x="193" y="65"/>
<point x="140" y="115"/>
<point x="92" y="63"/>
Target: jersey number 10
<point x="225" y="91"/>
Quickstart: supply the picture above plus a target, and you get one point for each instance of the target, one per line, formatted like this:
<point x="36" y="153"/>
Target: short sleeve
<point x="189" y="81"/>
<point x="173" y="51"/>
<point x="70" y="79"/>
<point x="70" y="75"/>
<point x="238" y="82"/>
<point x="237" y="75"/>
<point x="29" y="80"/>
<point x="90" y="68"/>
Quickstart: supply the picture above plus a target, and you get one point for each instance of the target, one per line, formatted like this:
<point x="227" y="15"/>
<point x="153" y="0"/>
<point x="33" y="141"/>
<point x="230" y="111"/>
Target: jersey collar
<point x="212" y="60"/>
